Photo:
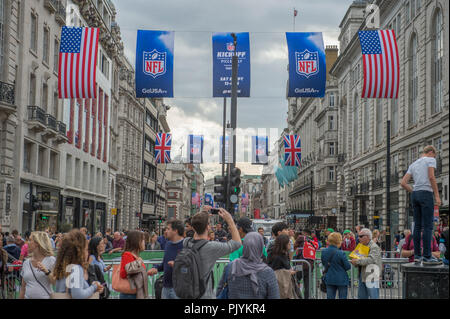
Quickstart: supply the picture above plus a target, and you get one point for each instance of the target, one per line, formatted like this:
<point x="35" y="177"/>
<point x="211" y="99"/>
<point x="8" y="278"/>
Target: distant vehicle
<point x="266" y="224"/>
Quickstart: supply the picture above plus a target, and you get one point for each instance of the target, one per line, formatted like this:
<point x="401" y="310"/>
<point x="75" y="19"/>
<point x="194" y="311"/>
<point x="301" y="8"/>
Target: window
<point x="355" y="126"/>
<point x="149" y="196"/>
<point x="394" y="164"/>
<point x="398" y="25"/>
<point x="46" y="46"/>
<point x="2" y="30"/>
<point x="34" y="30"/>
<point x="379" y="169"/>
<point x="331" y="149"/>
<point x="331" y="101"/>
<point x="331" y="173"/>
<point x="407" y="12"/>
<point x="104" y="65"/>
<point x="151" y="121"/>
<point x="149" y="145"/>
<point x="44" y="97"/>
<point x="32" y="93"/>
<point x="366" y="125"/>
<point x="331" y="122"/>
<point x="379" y="119"/>
<point x="438" y="57"/>
<point x="414" y="81"/>
<point x="149" y="171"/>
<point x="56" y="56"/>
<point x="394" y="117"/>
<point x="55" y="105"/>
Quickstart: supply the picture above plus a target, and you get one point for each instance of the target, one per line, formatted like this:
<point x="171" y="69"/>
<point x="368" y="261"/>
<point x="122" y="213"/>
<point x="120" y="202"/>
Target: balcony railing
<point x="364" y="188"/>
<point x="7" y="93"/>
<point x="35" y="113"/>
<point x="51" y="122"/>
<point x="394" y="179"/>
<point x="62" y="128"/>
<point x="377" y="183"/>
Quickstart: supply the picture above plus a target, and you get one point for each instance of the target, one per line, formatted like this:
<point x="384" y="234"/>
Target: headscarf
<point x="250" y="262"/>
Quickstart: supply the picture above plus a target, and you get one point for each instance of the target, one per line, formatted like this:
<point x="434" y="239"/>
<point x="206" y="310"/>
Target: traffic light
<point x="220" y="189"/>
<point x="34" y="204"/>
<point x="235" y="183"/>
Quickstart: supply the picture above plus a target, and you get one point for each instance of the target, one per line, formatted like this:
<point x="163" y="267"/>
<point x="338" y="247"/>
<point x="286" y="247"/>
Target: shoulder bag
<point x="323" y="285"/>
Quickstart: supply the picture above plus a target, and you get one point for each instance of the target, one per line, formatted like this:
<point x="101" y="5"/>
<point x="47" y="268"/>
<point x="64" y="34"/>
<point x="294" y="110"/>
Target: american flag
<point x="295" y="13"/>
<point x="292" y="150"/>
<point x="381" y="64"/>
<point x="78" y="63"/>
<point x="162" y="148"/>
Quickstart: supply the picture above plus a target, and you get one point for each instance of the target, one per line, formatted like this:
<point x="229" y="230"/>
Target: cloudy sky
<point x="193" y="111"/>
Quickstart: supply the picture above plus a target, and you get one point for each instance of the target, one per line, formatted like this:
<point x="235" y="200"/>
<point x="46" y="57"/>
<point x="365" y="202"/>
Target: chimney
<point x="331" y="53"/>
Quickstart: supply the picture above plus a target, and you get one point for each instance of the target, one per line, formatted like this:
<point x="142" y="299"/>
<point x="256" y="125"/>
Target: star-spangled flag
<point x="292" y="150"/>
<point x="78" y="63"/>
<point x="380" y="63"/>
<point x="260" y="150"/>
<point x="195" y="151"/>
<point x="162" y="148"/>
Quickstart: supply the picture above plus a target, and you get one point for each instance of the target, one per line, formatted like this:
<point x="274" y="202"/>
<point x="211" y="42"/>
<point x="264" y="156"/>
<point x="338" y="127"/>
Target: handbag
<point x="323" y="285"/>
<point x="31" y="267"/>
<point x="119" y="284"/>
<point x="159" y="283"/>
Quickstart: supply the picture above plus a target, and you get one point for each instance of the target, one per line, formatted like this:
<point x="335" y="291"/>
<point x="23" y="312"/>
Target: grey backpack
<point x="187" y="272"/>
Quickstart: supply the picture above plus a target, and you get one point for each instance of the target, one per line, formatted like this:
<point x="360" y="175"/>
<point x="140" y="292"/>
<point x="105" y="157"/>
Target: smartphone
<point x="214" y="211"/>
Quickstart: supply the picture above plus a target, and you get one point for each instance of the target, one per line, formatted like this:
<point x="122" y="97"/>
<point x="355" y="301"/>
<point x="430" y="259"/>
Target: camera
<point x="214" y="211"/>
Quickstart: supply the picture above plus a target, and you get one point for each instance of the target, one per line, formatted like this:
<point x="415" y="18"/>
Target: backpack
<point x="187" y="272"/>
<point x="286" y="284"/>
<point x="309" y="249"/>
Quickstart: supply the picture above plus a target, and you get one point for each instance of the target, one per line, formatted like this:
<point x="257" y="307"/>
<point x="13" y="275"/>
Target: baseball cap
<point x="346" y="231"/>
<point x="245" y="223"/>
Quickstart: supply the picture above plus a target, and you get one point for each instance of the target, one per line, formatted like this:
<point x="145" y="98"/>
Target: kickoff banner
<point x="195" y="150"/>
<point x="260" y="150"/>
<point x="154" y="64"/>
<point x="223" y="51"/>
<point x="307" y="66"/>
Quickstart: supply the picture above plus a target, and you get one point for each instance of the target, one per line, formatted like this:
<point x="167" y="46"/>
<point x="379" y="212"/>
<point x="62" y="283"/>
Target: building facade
<point x="419" y="117"/>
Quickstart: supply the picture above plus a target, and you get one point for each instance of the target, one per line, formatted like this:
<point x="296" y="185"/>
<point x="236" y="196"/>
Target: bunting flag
<point x="162" y="148"/>
<point x="78" y="63"/>
<point x="195" y="149"/>
<point x="380" y="63"/>
<point x="292" y="150"/>
<point x="260" y="150"/>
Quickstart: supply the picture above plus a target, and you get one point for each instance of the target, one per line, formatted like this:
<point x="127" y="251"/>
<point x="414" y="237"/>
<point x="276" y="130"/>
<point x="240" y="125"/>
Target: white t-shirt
<point x="419" y="172"/>
<point x="33" y="289"/>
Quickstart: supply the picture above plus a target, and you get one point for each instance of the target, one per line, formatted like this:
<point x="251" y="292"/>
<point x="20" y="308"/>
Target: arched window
<point x="413" y="81"/>
<point x="438" y="57"/>
<point x="355" y="126"/>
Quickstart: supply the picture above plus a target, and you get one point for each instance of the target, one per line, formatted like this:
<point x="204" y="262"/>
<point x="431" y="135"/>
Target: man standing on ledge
<point x="422" y="171"/>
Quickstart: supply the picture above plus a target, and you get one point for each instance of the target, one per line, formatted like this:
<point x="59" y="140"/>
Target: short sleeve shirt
<point x="419" y="172"/>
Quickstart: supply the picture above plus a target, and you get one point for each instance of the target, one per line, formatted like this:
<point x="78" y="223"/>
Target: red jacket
<point x="127" y="257"/>
<point x="348" y="247"/>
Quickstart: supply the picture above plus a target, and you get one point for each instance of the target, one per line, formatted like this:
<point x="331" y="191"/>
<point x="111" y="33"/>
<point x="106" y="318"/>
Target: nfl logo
<point x="307" y="63"/>
<point x="154" y="63"/>
<point x="230" y="46"/>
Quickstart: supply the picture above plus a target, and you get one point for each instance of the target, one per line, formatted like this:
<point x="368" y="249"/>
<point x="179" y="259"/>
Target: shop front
<point x="47" y="216"/>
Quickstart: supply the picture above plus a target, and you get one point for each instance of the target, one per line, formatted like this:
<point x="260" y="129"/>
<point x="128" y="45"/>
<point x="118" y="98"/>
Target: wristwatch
<point x="48" y="273"/>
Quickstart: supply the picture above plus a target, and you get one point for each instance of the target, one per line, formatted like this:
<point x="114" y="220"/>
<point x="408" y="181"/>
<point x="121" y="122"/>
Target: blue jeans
<point x="168" y="293"/>
<point x="126" y="296"/>
<point x="368" y="293"/>
<point x="423" y="205"/>
<point x="331" y="292"/>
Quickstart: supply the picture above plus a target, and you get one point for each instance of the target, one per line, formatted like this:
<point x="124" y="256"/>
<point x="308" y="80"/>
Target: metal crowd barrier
<point x="308" y="279"/>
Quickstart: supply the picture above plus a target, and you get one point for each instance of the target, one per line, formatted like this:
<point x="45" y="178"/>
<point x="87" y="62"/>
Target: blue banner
<point x="209" y="199"/>
<point x="223" y="51"/>
<point x="260" y="150"/>
<point x="307" y="65"/>
<point x="228" y="154"/>
<point x="195" y="151"/>
<point x="154" y="64"/>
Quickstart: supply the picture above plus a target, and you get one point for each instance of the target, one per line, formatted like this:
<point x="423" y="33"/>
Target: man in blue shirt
<point x="162" y="239"/>
<point x="174" y="232"/>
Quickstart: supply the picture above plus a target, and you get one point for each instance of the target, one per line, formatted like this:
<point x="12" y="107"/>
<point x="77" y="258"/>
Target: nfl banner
<point x="307" y="65"/>
<point x="154" y="64"/>
<point x="209" y="199"/>
<point x="195" y="151"/>
<point x="228" y="154"/>
<point x="260" y="150"/>
<point x="223" y="51"/>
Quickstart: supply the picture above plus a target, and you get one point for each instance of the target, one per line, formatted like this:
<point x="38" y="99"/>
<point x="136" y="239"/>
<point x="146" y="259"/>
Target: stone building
<point x="419" y="117"/>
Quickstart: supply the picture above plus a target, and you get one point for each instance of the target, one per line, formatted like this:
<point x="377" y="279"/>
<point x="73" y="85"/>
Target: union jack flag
<point x="292" y="150"/>
<point x="162" y="148"/>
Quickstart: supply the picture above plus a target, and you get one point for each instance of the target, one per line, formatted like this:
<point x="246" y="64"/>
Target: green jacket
<point x="238" y="253"/>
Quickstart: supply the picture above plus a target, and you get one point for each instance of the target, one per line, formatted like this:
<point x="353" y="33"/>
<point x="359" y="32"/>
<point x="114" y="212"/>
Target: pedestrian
<point x="349" y="243"/>
<point x="96" y="249"/>
<point x="244" y="226"/>
<point x="154" y="244"/>
<point x="279" y="257"/>
<point x="108" y="235"/>
<point x="72" y="261"/>
<point x="443" y="245"/>
<point x="422" y="201"/>
<point x="11" y="248"/>
<point x="437" y="235"/>
<point x="336" y="263"/>
<point x="118" y="243"/>
<point x="24" y="249"/>
<point x="358" y="229"/>
<point x="277" y="230"/>
<point x="35" y="271"/>
<point x="220" y="234"/>
<point x="18" y="239"/>
<point x="261" y="232"/>
<point x="132" y="267"/>
<point x="189" y="231"/>
<point x="163" y="238"/>
<point x="208" y="252"/>
<point x="406" y="233"/>
<point x="368" y="275"/>
<point x="248" y="277"/>
<point x="376" y="237"/>
<point x="305" y="249"/>
<point x="408" y="250"/>
<point x="175" y="232"/>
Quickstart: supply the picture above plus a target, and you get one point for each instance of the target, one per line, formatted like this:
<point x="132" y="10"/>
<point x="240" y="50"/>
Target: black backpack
<point x="187" y="272"/>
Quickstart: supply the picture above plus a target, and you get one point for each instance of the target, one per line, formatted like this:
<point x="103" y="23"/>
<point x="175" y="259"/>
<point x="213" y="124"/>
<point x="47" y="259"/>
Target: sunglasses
<point x="361" y="236"/>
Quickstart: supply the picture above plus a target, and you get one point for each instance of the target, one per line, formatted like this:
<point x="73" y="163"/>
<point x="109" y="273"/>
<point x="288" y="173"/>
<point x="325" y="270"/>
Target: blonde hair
<point x="376" y="233"/>
<point x="45" y="246"/>
<point x="335" y="239"/>
<point x="428" y="149"/>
